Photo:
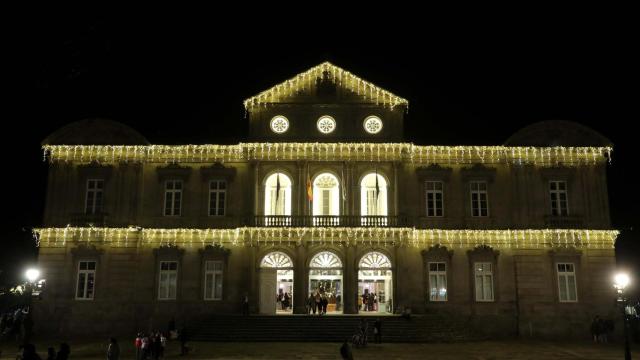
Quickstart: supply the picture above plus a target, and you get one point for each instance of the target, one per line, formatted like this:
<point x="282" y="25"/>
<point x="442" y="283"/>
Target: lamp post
<point x="621" y="281"/>
<point x="33" y="287"/>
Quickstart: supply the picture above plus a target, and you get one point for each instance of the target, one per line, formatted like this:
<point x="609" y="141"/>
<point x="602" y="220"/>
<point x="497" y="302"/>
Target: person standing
<point x="51" y="354"/>
<point x="245" y="304"/>
<point x="113" y="351"/>
<point x="345" y="350"/>
<point x="287" y="299"/>
<point x="183" y="337"/>
<point x="318" y="303"/>
<point x="64" y="352"/>
<point x="377" y="331"/>
<point x="29" y="352"/>
<point x="138" y="344"/>
<point x="163" y="344"/>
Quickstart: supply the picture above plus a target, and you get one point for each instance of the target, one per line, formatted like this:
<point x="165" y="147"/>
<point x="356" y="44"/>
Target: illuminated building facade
<point x="327" y="198"/>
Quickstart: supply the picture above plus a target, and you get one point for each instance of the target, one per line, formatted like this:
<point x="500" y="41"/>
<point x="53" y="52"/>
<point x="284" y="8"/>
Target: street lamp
<point x="32" y="275"/>
<point x="621" y="281"/>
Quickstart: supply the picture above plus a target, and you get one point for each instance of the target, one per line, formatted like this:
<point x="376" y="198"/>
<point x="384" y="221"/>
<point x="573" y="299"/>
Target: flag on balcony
<point x="377" y="186"/>
<point x="309" y="189"/>
<point x="343" y="188"/>
<point x="277" y="187"/>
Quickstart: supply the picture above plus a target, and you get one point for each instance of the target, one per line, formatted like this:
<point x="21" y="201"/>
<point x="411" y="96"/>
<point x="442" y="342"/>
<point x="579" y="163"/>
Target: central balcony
<point x="331" y="221"/>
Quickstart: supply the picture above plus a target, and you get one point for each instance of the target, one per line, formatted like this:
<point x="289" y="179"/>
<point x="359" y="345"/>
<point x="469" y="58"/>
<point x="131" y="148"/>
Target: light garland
<point x="307" y="79"/>
<point x="343" y="236"/>
<point x="406" y="152"/>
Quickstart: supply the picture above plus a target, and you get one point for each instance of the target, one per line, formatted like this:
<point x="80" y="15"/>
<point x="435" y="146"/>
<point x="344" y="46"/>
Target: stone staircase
<point x="330" y="328"/>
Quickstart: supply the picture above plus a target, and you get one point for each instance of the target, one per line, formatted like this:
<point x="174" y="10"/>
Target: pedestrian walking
<point x="113" y="351"/>
<point x="377" y="331"/>
<point x="345" y="350"/>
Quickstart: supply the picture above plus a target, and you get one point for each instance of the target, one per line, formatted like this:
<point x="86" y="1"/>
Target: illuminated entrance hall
<point x="375" y="287"/>
<point x="276" y="284"/>
<point x="325" y="280"/>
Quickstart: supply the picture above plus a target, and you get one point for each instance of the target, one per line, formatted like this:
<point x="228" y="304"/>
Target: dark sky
<point x="183" y="81"/>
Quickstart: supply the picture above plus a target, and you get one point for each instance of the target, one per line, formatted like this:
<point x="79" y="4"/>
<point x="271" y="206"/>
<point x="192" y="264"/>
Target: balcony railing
<point x="96" y="219"/>
<point x="564" y="222"/>
<point x="330" y="221"/>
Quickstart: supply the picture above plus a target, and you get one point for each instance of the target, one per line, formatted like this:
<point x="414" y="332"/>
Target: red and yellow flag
<point x="309" y="189"/>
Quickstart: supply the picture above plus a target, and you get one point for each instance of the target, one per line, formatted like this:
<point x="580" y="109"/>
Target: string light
<point x="407" y="152"/>
<point x="251" y="236"/>
<point x="305" y="80"/>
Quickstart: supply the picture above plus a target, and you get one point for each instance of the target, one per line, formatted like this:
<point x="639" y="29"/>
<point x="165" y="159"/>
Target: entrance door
<point x="268" y="282"/>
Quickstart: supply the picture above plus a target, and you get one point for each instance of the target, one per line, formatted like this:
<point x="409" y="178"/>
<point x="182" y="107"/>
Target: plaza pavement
<point x="485" y="350"/>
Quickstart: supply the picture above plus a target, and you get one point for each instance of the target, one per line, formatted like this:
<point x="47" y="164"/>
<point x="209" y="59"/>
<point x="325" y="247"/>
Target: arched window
<point x="374" y="260"/>
<point x="277" y="195"/>
<point x="325" y="260"/>
<point x="326" y="195"/>
<point x="276" y="259"/>
<point x="373" y="195"/>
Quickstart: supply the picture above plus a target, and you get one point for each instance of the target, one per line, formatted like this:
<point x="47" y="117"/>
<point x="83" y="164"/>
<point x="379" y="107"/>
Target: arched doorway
<point x="373" y="200"/>
<point x="375" y="287"/>
<point x="276" y="284"/>
<point x="325" y="279"/>
<point x="277" y="200"/>
<point x="326" y="200"/>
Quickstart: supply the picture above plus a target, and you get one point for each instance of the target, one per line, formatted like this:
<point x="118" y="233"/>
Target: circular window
<point x="326" y="124"/>
<point x="279" y="124"/>
<point x="372" y="124"/>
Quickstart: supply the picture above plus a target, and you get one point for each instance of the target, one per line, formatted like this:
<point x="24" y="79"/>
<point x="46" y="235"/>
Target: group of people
<point x="319" y="300"/>
<point x="600" y="329"/>
<point x="16" y="324"/>
<point x="150" y="346"/>
<point x="28" y="352"/>
<point x="284" y="299"/>
<point x="369" y="301"/>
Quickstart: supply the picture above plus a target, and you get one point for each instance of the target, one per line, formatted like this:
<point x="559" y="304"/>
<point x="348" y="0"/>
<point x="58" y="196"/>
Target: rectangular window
<point x="484" y="281"/>
<point x="168" y="281"/>
<point x="437" y="281"/>
<point x="479" y="199"/>
<point x="93" y="198"/>
<point x="567" y="290"/>
<point x="213" y="280"/>
<point x="86" y="280"/>
<point x="559" y="202"/>
<point x="434" y="198"/>
<point x="217" y="197"/>
<point x="172" y="197"/>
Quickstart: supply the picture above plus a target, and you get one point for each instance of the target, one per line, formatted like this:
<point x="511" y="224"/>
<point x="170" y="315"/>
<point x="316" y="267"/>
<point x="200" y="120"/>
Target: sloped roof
<point x="343" y="78"/>
<point x="557" y="133"/>
<point x="95" y="131"/>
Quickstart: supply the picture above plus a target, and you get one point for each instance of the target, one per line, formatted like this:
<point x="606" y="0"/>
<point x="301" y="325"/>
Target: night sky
<point x="180" y="82"/>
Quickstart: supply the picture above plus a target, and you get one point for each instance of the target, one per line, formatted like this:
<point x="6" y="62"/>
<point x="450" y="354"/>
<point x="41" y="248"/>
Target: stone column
<point x="300" y="280"/>
<point x="253" y="283"/>
<point x="395" y="188"/>
<point x="256" y="188"/>
<point x="350" y="279"/>
<point x="301" y="189"/>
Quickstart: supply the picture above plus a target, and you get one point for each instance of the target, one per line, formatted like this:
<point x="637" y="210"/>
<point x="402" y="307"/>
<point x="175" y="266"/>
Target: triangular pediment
<point x="322" y="80"/>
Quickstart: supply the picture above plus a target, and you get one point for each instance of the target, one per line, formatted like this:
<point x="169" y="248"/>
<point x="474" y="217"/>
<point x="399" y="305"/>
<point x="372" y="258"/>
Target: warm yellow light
<point x="307" y="79"/>
<point x="405" y="152"/>
<point x="339" y="236"/>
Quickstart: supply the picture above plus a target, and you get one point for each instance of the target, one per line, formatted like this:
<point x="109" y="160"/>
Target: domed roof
<point x="557" y="133"/>
<point x="95" y="132"/>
